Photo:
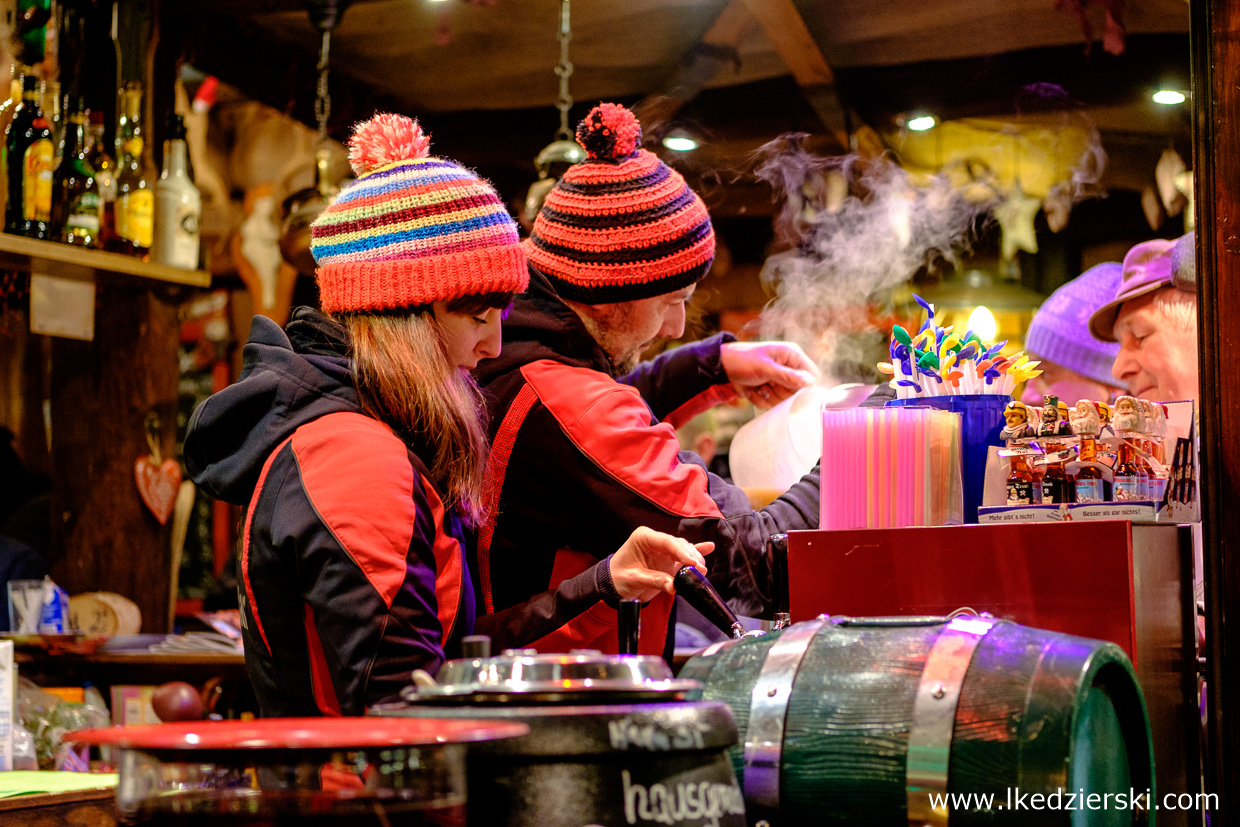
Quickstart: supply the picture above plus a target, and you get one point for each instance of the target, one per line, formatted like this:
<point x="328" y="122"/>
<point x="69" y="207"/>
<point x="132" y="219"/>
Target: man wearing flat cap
<point x="1153" y="317"/>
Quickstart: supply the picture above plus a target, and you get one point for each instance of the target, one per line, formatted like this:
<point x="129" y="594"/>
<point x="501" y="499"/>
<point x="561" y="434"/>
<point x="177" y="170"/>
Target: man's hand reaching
<point x="767" y="373"/>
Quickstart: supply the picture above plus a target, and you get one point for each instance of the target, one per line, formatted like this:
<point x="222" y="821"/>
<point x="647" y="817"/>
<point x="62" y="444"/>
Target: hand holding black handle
<point x="697" y="591"/>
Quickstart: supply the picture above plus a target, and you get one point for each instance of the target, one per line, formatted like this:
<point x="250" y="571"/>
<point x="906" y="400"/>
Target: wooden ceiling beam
<point x="791" y="38"/>
<point x="253" y="8"/>
<point x="717" y="49"/>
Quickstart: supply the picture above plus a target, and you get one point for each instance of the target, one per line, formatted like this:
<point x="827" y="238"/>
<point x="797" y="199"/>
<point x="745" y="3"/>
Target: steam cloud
<point x="864" y="228"/>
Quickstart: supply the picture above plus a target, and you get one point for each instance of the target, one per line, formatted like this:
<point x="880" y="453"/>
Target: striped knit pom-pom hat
<point x="412" y="229"/>
<point x="620" y="225"/>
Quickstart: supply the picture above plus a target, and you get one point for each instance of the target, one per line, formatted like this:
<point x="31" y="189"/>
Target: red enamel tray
<point x="298" y="733"/>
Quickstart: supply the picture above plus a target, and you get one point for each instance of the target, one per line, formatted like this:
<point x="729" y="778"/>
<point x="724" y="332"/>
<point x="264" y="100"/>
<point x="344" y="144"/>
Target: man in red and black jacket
<point x="583" y="436"/>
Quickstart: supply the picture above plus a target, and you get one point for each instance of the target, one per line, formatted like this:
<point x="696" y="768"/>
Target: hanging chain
<point x="323" y="101"/>
<point x="564" y="69"/>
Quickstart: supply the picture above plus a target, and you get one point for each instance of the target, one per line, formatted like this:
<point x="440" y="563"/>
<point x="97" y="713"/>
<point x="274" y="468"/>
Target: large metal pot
<point x="612" y="741"/>
<point x="286" y="771"/>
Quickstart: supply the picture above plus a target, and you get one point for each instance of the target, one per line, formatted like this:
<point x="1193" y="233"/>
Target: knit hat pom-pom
<point x="609" y="132"/>
<point x="386" y="139"/>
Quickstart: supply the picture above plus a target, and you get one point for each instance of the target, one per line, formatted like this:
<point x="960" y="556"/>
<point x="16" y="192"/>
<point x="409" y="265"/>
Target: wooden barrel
<point x="866" y="720"/>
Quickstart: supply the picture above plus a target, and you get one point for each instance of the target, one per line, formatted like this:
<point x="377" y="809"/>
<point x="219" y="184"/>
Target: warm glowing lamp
<point x="982" y="322"/>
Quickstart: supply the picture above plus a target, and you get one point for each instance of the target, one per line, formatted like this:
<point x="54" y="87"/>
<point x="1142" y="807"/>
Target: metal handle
<point x="777" y="549"/>
<point x="629" y="626"/>
<point x="697" y="591"/>
<point x="475" y="647"/>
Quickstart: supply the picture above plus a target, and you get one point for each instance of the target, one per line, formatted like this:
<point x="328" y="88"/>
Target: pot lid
<point x="297" y="733"/>
<point x="525" y="676"/>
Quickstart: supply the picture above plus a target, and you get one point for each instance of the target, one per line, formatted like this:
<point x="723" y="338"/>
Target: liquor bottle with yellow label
<point x="28" y="158"/>
<point x="135" y="199"/>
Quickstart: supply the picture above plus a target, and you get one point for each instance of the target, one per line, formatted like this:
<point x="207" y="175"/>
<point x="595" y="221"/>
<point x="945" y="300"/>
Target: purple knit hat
<point x="1060" y="333"/>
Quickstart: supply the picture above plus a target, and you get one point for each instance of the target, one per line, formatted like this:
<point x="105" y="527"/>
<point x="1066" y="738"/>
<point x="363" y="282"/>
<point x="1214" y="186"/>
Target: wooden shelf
<point x="64" y="260"/>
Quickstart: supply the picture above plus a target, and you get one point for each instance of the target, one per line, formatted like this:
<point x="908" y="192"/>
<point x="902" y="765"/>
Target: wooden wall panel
<point x="1216" y="164"/>
<point x="101" y="392"/>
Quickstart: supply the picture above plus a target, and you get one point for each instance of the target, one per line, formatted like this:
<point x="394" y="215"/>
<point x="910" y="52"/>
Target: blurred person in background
<point x="709" y="435"/>
<point x="1075" y="365"/>
<point x="25" y="522"/>
<point x="1153" y="318"/>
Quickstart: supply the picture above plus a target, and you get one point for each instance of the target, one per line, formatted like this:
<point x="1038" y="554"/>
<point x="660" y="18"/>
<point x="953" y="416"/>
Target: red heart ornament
<point x="158" y="485"/>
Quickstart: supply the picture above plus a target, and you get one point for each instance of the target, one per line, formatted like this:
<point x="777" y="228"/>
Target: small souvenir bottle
<point x="1158" y="448"/>
<point x="1020" y="482"/>
<point x="1127" y="484"/>
<point x="1052" y="432"/>
<point x="1017" y="432"/>
<point x="1086" y="424"/>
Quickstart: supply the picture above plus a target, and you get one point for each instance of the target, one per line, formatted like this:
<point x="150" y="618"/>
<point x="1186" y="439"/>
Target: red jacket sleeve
<point x="683" y="382"/>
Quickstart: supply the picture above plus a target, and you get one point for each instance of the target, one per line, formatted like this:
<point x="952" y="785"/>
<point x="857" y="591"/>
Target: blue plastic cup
<point x="981" y="420"/>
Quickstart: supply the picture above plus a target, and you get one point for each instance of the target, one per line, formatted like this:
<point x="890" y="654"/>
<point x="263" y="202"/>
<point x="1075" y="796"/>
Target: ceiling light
<point x="680" y="141"/>
<point x="920" y="123"/>
<point x="1168" y="97"/>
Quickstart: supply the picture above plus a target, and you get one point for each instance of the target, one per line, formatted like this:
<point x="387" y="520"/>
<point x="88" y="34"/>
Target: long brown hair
<point x="404" y="379"/>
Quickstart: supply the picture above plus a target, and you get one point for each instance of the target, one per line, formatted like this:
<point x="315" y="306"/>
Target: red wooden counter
<point x="1110" y="580"/>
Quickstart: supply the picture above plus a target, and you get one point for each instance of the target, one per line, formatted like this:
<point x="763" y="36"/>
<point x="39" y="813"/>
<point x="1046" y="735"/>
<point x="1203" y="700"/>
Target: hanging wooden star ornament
<point x="1015" y="216"/>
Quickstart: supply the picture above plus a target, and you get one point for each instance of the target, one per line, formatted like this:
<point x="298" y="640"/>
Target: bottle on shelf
<point x="178" y="204"/>
<point x="1037" y="473"/>
<point x="1089" y="488"/>
<point x="28" y="161"/>
<point x="1056" y="485"/>
<point x="1127" y="485"/>
<point x="75" y="193"/>
<point x="1020" y="482"/>
<point x="135" y="199"/>
<point x="50" y="101"/>
<point x="7" y="108"/>
<point x="104" y="167"/>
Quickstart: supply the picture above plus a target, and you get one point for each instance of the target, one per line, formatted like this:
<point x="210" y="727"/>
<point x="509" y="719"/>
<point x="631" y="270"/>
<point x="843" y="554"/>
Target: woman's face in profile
<point x="469" y="337"/>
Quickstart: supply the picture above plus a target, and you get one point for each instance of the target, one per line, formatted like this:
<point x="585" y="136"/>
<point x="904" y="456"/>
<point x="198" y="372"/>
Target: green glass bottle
<point x="75" y="193"/>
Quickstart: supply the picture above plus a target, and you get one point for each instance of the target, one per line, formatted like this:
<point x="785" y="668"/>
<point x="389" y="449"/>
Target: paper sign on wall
<point x="62" y="307"/>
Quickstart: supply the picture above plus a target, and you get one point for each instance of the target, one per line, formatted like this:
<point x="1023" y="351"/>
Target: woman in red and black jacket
<point x="356" y="440"/>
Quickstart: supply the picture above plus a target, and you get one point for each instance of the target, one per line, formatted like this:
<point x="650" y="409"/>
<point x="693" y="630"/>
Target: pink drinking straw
<point x="897" y="469"/>
<point x="830" y="492"/>
<point x="918" y="482"/>
<point x="870" y="482"/>
<point x="827" y="487"/>
<point x="883" y="472"/>
<point x="856" y="518"/>
<point x="904" y="481"/>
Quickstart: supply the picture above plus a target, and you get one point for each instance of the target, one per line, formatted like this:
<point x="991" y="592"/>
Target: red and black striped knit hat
<point x="621" y="225"/>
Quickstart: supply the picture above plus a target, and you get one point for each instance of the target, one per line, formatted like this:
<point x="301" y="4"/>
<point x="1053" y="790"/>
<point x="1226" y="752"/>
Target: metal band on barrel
<point x="768" y="705"/>
<point x="934" y="716"/>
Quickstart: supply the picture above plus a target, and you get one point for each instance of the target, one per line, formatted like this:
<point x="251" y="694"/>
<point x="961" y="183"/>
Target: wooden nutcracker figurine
<point x="1016" y="417"/>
